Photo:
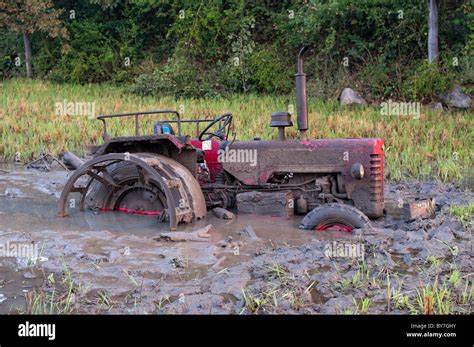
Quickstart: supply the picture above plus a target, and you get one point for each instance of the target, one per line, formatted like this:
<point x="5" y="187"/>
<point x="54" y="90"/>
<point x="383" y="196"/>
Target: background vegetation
<point x="192" y="48"/>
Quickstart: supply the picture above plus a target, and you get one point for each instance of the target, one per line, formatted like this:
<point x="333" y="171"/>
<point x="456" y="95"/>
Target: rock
<point x="435" y="106"/>
<point x="456" y="98"/>
<point x="222" y="213"/>
<point x="200" y="235"/>
<point x="249" y="232"/>
<point x="350" y="97"/>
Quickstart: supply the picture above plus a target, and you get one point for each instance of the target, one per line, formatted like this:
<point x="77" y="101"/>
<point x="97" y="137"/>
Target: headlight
<point x="357" y="171"/>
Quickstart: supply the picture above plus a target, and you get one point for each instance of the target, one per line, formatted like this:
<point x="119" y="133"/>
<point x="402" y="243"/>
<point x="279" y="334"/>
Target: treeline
<point x="209" y="48"/>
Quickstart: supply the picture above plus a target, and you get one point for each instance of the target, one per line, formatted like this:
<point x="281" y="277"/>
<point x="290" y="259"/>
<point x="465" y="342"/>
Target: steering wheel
<point x="220" y="133"/>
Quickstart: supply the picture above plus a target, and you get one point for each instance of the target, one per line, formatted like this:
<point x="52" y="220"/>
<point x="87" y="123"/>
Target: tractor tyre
<point x="335" y="216"/>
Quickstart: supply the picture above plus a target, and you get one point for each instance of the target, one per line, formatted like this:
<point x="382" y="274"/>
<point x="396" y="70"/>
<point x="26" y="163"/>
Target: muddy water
<point x="104" y="249"/>
<point x="119" y="255"/>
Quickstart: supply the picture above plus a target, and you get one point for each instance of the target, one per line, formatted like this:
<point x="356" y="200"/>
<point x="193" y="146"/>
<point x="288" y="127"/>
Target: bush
<point x="11" y="47"/>
<point x="427" y="82"/>
<point x="90" y="57"/>
<point x="178" y="78"/>
<point x="260" y="71"/>
<point x="268" y="74"/>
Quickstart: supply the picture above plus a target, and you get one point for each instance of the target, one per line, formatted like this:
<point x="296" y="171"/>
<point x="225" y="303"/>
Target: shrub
<point x="90" y="57"/>
<point x="267" y="73"/>
<point x="178" y="77"/>
<point x="427" y="81"/>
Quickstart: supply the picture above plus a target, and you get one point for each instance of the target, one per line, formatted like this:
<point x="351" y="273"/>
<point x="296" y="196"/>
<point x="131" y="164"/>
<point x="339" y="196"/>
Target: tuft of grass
<point x="362" y="306"/>
<point x="60" y="300"/>
<point x="437" y="145"/>
<point x="434" y="299"/>
<point x="467" y="295"/>
<point x="277" y="271"/>
<point x="455" y="278"/>
<point x="464" y="213"/>
<point x="362" y="276"/>
<point x="253" y="303"/>
<point x="159" y="305"/>
<point x="104" y="299"/>
<point x="435" y="263"/>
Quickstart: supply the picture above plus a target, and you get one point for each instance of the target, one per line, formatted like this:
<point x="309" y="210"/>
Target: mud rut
<point x="115" y="263"/>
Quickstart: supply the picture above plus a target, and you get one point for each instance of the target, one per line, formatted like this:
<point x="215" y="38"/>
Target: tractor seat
<point x="162" y="128"/>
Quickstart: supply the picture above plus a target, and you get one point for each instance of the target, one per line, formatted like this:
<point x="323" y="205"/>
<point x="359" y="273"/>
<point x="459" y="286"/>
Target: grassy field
<point x="436" y="145"/>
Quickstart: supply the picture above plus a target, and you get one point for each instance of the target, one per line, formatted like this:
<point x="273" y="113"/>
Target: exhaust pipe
<point x="70" y="159"/>
<point x="301" y="98"/>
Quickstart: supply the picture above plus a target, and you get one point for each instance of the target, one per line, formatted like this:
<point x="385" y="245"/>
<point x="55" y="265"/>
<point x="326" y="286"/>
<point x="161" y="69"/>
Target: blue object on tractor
<point x="162" y="128"/>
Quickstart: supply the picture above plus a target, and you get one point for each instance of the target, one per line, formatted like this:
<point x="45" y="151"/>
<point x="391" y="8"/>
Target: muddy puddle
<point x="111" y="262"/>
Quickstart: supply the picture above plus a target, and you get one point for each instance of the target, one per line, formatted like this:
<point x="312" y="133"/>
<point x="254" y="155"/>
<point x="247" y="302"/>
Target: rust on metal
<point x="424" y="208"/>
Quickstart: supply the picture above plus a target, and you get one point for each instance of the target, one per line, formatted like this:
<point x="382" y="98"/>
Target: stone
<point x="222" y="213"/>
<point x="435" y="106"/>
<point x="350" y="97"/>
<point x="457" y="98"/>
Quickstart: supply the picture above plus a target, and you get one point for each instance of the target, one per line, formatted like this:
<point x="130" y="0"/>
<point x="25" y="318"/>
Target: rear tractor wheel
<point x="142" y="183"/>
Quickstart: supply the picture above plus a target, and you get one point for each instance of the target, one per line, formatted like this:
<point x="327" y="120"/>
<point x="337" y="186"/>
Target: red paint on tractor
<point x="264" y="177"/>
<point x="211" y="157"/>
<point x="146" y="213"/>
<point x="126" y="210"/>
<point x="334" y="227"/>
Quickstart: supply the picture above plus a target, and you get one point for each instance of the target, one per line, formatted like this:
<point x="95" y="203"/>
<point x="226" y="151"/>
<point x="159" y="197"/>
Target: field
<point x="436" y="145"/>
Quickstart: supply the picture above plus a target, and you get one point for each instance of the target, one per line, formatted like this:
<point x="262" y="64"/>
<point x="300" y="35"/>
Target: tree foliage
<point x="207" y="48"/>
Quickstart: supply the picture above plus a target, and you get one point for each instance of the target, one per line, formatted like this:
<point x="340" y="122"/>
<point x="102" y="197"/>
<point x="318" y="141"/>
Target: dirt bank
<point x="116" y="263"/>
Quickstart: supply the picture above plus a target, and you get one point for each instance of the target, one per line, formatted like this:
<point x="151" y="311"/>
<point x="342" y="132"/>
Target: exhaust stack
<point x="301" y="98"/>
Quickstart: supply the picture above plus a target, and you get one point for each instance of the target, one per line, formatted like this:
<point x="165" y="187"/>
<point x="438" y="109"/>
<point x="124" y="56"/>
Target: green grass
<point x="437" y="145"/>
<point x="362" y="305"/>
<point x="464" y="213"/>
<point x="59" y="300"/>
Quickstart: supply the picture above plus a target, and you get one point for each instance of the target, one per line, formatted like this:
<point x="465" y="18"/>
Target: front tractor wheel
<point x="335" y="217"/>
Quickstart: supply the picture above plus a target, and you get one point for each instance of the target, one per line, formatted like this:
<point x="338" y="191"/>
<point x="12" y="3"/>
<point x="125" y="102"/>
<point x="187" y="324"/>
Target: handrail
<point x="103" y="118"/>
<point x="106" y="136"/>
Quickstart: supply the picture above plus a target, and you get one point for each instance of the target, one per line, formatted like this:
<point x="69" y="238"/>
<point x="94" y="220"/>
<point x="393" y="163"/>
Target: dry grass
<point x="437" y="145"/>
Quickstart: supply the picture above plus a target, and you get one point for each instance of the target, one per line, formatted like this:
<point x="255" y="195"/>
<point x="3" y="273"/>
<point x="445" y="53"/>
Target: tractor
<point x="334" y="183"/>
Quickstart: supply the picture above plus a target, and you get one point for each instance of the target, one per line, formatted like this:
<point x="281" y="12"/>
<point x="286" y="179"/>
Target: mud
<point x="111" y="262"/>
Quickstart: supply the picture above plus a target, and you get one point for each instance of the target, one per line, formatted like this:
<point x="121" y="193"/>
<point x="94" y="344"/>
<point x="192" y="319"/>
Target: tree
<point x="432" y="31"/>
<point x="30" y="16"/>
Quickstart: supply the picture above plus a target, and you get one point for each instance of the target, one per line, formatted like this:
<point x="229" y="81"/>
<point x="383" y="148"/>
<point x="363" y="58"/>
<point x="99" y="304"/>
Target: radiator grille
<point x="376" y="177"/>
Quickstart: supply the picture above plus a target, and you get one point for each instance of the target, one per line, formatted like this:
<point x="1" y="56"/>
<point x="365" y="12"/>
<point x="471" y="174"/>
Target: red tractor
<point x="335" y="183"/>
